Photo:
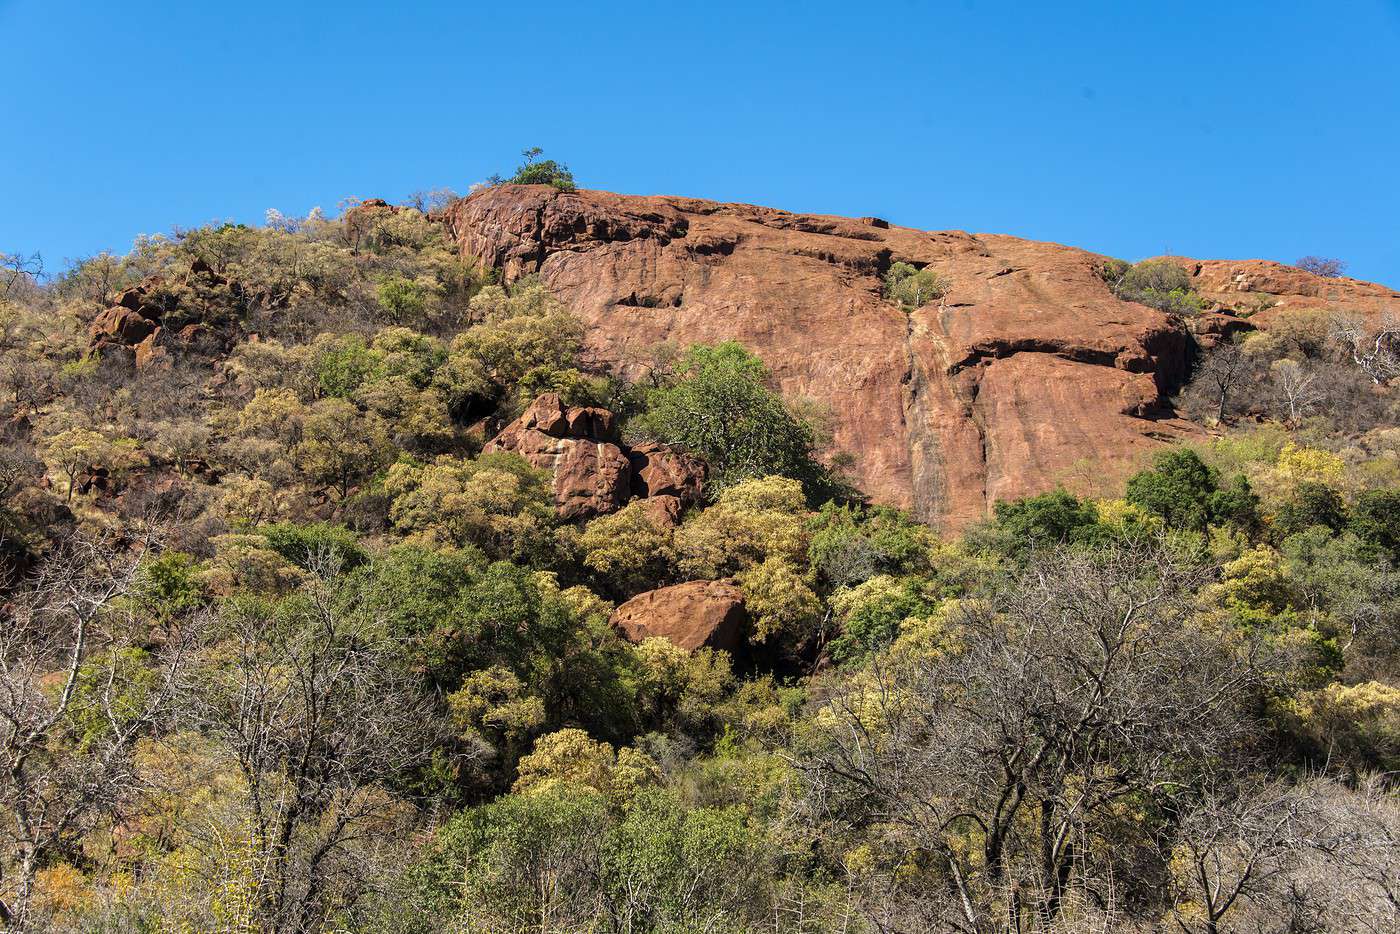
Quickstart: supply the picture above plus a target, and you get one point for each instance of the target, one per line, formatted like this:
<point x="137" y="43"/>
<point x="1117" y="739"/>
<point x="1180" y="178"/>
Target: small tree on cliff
<point x="914" y="288"/>
<point x="544" y="172"/>
<point x="721" y="408"/>
<point x="1326" y="266"/>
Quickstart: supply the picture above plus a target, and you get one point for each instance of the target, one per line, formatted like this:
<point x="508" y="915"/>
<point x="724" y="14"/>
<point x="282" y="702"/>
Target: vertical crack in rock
<point x="927" y="471"/>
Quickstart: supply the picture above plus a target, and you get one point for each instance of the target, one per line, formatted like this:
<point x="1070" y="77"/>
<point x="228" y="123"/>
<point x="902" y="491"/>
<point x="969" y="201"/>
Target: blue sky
<point x="1225" y="129"/>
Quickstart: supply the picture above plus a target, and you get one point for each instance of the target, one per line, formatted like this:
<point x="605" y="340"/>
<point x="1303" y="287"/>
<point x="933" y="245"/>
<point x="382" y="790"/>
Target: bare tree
<point x="1296" y="386"/>
<point x="1326" y="266"/>
<point x="431" y="200"/>
<point x="310" y="699"/>
<point x="1007" y="754"/>
<point x="18" y="465"/>
<point x="69" y="715"/>
<point x="1353" y="860"/>
<point x="1236" y="842"/>
<point x="1221" y="368"/>
<point x="17" y="272"/>
<point x="1373" y="348"/>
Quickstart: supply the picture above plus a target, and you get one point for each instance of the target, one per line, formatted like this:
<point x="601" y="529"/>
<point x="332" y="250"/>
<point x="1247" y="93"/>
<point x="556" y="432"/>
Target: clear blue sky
<point x="1225" y="129"/>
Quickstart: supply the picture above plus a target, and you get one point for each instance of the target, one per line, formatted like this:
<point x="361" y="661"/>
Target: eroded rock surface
<point x="1025" y="375"/>
<point x="692" y="615"/>
<point x="592" y="474"/>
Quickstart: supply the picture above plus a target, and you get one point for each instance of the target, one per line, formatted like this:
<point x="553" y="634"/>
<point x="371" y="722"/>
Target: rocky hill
<point x="1030" y="373"/>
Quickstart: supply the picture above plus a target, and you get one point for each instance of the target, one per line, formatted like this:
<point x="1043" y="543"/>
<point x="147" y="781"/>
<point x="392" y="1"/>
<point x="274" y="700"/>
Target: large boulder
<point x="658" y="470"/>
<point x="692" y="615"/>
<point x="592" y="474"/>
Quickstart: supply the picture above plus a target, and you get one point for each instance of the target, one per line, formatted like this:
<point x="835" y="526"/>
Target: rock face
<point x="1240" y="284"/>
<point x="692" y="615"/>
<point x="1026" y="373"/>
<point x="659" y="471"/>
<point x="593" y="473"/>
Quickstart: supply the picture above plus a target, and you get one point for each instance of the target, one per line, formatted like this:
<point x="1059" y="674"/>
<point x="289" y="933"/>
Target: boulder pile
<point x="594" y="473"/>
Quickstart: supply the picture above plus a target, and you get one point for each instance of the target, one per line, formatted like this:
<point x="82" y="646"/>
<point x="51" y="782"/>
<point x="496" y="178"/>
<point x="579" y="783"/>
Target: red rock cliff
<point x="1029" y="374"/>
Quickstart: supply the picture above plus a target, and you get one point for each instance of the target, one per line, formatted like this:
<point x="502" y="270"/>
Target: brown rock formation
<point x="1240" y="284"/>
<point x="593" y="472"/>
<point x="657" y="471"/>
<point x="1027" y="372"/>
<point x="692" y="615"/>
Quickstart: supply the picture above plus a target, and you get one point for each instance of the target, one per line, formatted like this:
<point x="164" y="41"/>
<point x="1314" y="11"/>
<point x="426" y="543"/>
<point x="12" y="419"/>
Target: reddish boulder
<point x="591" y="473"/>
<point x="151" y="352"/>
<point x="658" y="470"/>
<point x="549" y="415"/>
<point x="692" y="615"/>
<point x="129" y="298"/>
<point x="664" y="511"/>
<point x="1241" y="284"/>
<point x="122" y="325"/>
<point x="1213" y="327"/>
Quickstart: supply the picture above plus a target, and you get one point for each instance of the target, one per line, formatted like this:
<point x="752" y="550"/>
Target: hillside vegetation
<point x="314" y="539"/>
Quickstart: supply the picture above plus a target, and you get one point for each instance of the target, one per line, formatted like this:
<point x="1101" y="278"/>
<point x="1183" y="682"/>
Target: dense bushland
<point x="284" y="651"/>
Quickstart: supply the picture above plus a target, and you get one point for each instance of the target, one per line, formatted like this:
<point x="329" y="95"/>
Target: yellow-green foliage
<point x="630" y="548"/>
<point x="752" y="521"/>
<point x="570" y="758"/>
<point x="497" y="502"/>
<point x="780" y="601"/>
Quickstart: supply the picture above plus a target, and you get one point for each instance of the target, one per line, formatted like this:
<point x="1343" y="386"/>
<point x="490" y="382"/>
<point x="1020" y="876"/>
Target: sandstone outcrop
<point x="692" y="615"/>
<point x="593" y="472"/>
<point x="1029" y="371"/>
<point x="659" y="471"/>
<point x="1241" y="284"/>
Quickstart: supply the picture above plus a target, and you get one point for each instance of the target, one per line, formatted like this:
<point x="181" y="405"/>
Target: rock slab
<point x="693" y="615"/>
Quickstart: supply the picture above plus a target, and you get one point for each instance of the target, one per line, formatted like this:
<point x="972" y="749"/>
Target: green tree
<point x="407" y="301"/>
<point x="1310" y="503"/>
<point x="497" y="502"/>
<point x="1375" y="519"/>
<point x="1036" y="522"/>
<point x="341" y="445"/>
<point x="1177" y="487"/>
<point x="1158" y="283"/>
<point x="631" y="549"/>
<point x="536" y="171"/>
<point x="721" y="408"/>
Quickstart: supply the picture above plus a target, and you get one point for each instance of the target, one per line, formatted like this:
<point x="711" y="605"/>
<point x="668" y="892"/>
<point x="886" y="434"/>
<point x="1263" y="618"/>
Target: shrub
<point x="405" y="300"/>
<point x="305" y="545"/>
<point x="544" y="172"/>
<point x="871" y="615"/>
<point x="1177" y="488"/>
<point x="914" y="288"/>
<point x="1055" y="518"/>
<point x="1312" y="504"/>
<point x="721" y="408"/>
<point x="1157" y="283"/>
<point x="1375" y="519"/>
